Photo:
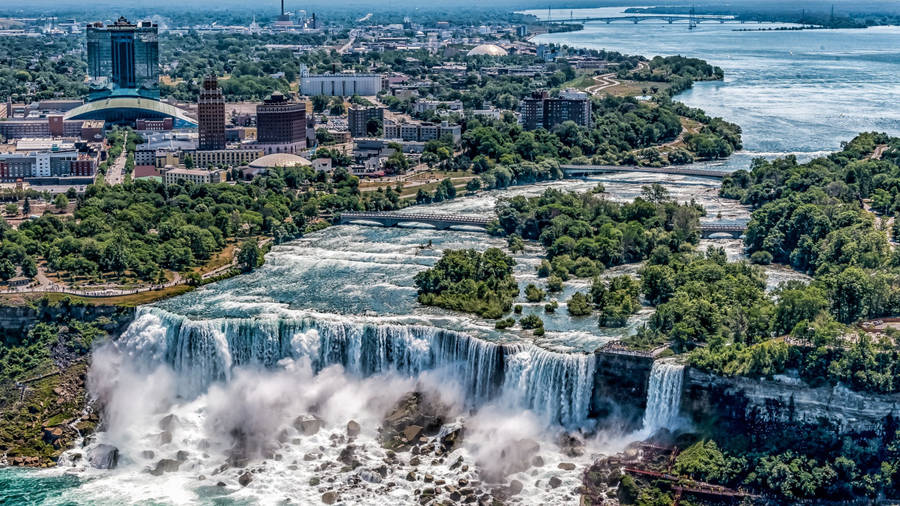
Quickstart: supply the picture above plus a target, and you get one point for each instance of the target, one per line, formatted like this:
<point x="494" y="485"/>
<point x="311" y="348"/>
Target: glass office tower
<point x="123" y="59"/>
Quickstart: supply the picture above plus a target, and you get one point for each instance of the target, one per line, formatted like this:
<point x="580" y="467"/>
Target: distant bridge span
<point x="637" y="19"/>
<point x="587" y="170"/>
<point x="445" y="221"/>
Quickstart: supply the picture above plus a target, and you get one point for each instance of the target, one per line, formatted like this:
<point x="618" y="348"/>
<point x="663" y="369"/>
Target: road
<point x="346" y="47"/>
<point x="115" y="174"/>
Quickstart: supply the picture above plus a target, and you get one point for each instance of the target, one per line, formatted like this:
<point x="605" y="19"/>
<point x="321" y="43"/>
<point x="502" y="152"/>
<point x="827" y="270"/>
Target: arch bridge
<point x="587" y="170"/>
<point x="391" y="219"/>
<point x="707" y="230"/>
<point x="446" y="221"/>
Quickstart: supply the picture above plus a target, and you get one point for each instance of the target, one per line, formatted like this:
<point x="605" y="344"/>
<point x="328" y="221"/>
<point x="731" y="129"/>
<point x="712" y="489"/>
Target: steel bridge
<point x="637" y="19"/>
<point x="391" y="219"/>
<point x="445" y="221"/>
<point x="587" y="170"/>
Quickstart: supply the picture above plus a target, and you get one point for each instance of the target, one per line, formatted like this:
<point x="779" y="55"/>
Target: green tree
<point x="249" y="256"/>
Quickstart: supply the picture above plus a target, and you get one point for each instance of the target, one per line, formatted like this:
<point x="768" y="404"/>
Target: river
<point x="333" y="319"/>
<point x="801" y="92"/>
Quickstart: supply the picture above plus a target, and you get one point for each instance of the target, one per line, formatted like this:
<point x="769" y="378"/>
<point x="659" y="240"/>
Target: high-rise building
<point x="358" y="120"/>
<point x="123" y="59"/>
<point x="210" y="116"/>
<point x="541" y="111"/>
<point x="281" y="125"/>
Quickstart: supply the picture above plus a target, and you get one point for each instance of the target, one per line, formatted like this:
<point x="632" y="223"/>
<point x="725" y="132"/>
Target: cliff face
<point x="45" y="410"/>
<point x="21" y="318"/>
<point x="620" y="389"/>
<point x="760" y="402"/>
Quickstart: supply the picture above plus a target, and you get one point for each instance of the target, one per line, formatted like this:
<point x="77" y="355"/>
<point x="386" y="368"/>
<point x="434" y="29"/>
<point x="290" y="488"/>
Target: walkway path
<point x="608" y="80"/>
<point x="46" y="285"/>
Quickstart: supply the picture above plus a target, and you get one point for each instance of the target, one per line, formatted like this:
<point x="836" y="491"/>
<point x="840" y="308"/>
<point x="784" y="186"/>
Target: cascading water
<point x="556" y="386"/>
<point x="663" y="396"/>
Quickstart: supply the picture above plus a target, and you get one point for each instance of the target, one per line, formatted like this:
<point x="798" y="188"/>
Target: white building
<point x="340" y="85"/>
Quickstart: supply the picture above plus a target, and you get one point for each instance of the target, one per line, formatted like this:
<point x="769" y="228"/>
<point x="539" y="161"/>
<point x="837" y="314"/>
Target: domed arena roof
<point x="488" y="50"/>
<point x="278" y="160"/>
<point x="128" y="108"/>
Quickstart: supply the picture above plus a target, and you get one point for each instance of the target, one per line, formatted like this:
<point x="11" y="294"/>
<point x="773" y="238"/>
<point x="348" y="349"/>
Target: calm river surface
<point x="797" y="92"/>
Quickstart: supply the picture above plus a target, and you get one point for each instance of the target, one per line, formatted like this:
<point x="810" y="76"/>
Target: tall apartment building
<point x="281" y="125"/>
<point x="358" y="119"/>
<point x="542" y="111"/>
<point x="210" y="116"/>
<point x="123" y="56"/>
<point x="421" y="131"/>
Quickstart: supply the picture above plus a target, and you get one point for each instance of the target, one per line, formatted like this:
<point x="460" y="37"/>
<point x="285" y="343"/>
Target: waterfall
<point x="663" y="395"/>
<point x="557" y="386"/>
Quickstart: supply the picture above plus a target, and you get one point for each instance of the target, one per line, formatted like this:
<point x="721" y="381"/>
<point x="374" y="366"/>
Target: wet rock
<point x="555" y="482"/>
<point x="307" y="425"/>
<point x="411" y="432"/>
<point x="51" y="434"/>
<point x="245" y="479"/>
<point x="165" y="438"/>
<point x="165" y="466"/>
<point x="537" y="461"/>
<point x="220" y="484"/>
<point x="455" y="496"/>
<point x="571" y="445"/>
<point x="181" y="456"/>
<point x="370" y="476"/>
<point x="168" y="423"/>
<point x="314" y="481"/>
<point x="566" y="466"/>
<point x="103" y="456"/>
<point x="346" y="456"/>
<point x="382" y="470"/>
<point x="148" y="454"/>
<point x="451" y="437"/>
<point x="309" y="457"/>
<point x="330" y="497"/>
<point x="415" y="461"/>
<point x="413" y="409"/>
<point x="428" y="478"/>
<point x="411" y="476"/>
<point x="353" y="428"/>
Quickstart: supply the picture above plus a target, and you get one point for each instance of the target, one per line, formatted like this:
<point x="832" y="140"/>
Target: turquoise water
<point x="800" y="92"/>
<point x="25" y="486"/>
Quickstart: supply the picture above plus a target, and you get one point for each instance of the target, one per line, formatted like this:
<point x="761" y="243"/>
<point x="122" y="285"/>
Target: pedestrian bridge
<point x="446" y="221"/>
<point x="438" y="221"/>
<point x="588" y="170"/>
<point x="707" y="230"/>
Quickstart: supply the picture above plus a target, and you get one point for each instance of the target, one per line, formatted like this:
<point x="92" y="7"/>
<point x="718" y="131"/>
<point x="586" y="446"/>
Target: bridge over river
<point x="587" y="170"/>
<point x="446" y="221"/>
<point x="650" y="17"/>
